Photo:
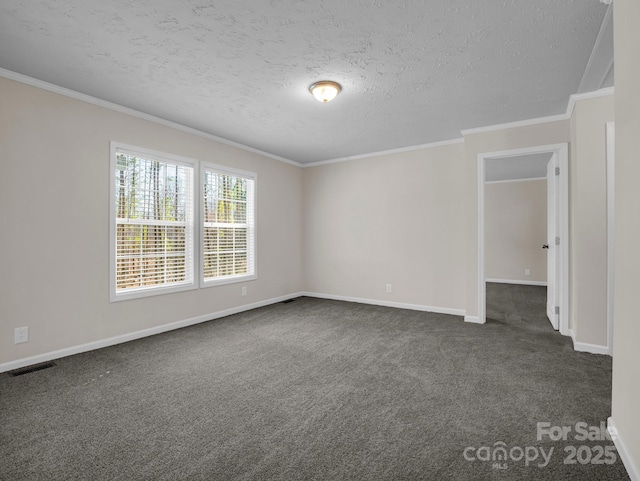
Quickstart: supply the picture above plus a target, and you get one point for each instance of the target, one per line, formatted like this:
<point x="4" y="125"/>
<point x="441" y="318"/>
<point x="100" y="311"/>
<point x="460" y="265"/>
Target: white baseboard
<point x="49" y="356"/>
<point x="629" y="464"/>
<point x="376" y="302"/>
<point x="472" y="319"/>
<point x="518" y="282"/>
<point x="590" y="348"/>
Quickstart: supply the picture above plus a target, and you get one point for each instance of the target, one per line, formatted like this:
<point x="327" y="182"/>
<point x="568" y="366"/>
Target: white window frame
<point x="252" y="259"/>
<point x="192" y="233"/>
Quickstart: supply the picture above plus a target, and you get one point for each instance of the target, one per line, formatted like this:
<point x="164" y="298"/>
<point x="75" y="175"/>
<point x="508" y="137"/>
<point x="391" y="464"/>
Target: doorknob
<point x="545" y="246"/>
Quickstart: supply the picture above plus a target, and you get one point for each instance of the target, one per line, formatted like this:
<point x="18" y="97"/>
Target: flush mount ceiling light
<point x="325" y="90"/>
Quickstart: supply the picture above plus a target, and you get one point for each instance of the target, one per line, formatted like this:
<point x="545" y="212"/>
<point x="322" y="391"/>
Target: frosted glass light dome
<point x="325" y="90"/>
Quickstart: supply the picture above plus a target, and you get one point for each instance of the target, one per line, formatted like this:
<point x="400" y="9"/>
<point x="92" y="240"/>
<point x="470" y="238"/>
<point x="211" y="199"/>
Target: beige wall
<point x="626" y="357"/>
<point x="54" y="191"/>
<point x="495" y="141"/>
<point x="587" y="209"/>
<point x="515" y="230"/>
<point x="588" y="220"/>
<point x="393" y="219"/>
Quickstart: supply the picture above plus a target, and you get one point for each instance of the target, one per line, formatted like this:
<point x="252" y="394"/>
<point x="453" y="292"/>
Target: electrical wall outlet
<point x="527" y="272"/>
<point x="244" y="290"/>
<point x="21" y="334"/>
<point x="389" y="289"/>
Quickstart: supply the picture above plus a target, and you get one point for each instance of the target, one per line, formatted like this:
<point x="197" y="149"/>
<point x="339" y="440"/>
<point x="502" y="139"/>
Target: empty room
<point x="296" y="240"/>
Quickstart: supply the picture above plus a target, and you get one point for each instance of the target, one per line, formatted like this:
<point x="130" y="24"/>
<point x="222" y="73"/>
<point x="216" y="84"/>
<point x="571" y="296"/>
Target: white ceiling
<point x="519" y="167"/>
<point x="413" y="72"/>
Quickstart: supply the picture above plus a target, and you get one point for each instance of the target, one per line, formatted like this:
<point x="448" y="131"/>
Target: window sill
<point x="228" y="280"/>
<point x="150" y="291"/>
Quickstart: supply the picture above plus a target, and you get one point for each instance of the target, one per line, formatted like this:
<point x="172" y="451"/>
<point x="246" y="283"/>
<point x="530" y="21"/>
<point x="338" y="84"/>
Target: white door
<point x="550" y="246"/>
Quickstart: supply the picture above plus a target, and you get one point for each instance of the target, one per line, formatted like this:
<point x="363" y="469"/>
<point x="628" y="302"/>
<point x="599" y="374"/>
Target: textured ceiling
<point x="413" y="72"/>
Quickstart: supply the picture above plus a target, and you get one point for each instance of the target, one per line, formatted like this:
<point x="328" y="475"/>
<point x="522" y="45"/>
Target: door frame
<point x="553" y="227"/>
<point x="611" y="212"/>
<point x="560" y="153"/>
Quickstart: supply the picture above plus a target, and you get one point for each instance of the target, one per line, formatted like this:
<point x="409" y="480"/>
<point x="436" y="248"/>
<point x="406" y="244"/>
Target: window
<point x="228" y="231"/>
<point x="152" y="223"/>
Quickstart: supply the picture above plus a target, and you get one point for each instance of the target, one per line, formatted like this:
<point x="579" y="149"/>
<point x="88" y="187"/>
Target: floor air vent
<point x="288" y="301"/>
<point x="34" y="368"/>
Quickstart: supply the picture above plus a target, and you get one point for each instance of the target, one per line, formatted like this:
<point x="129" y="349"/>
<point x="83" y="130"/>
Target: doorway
<point x="556" y="173"/>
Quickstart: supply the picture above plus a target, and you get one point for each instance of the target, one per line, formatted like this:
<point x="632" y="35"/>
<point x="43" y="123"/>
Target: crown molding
<point x="168" y="123"/>
<point x="401" y="150"/>
<point x="600" y="64"/>
<point x="513" y="125"/>
<point x="479" y="130"/>
<point x="586" y="96"/>
<point x="543" y="120"/>
<point x="9" y="74"/>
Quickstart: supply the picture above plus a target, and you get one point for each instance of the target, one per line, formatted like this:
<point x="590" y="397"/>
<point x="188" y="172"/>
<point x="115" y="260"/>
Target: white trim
<point x="191" y="224"/>
<point x="513" y="125"/>
<point x="517" y="282"/>
<point x="400" y="150"/>
<point x="482" y="283"/>
<point x="168" y="123"/>
<point x="536" y="149"/>
<point x="473" y="320"/>
<point x="611" y="195"/>
<point x="542" y="120"/>
<point x="586" y="347"/>
<point x="223" y="169"/>
<point x="376" y="302"/>
<point x="135" y="113"/>
<point x="632" y="469"/>
<point x="112" y="341"/>
<point x="561" y="151"/>
<point x="601" y="59"/>
<point x="563" y="222"/>
<point x="590" y="348"/>
<point x="478" y="130"/>
<point x="252" y="228"/>
<point x="222" y="281"/>
<point x="586" y="96"/>
<point x="514" y="180"/>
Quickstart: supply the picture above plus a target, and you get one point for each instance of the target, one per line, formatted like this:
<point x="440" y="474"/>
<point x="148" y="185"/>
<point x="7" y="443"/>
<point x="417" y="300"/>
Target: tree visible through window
<point x="228" y="228"/>
<point x="154" y="222"/>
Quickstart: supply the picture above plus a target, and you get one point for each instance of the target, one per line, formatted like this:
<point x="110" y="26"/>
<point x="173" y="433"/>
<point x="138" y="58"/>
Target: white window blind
<point x="154" y="231"/>
<point x="228" y="234"/>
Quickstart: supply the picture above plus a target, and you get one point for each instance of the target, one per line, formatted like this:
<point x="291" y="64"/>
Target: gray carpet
<point x="313" y="390"/>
